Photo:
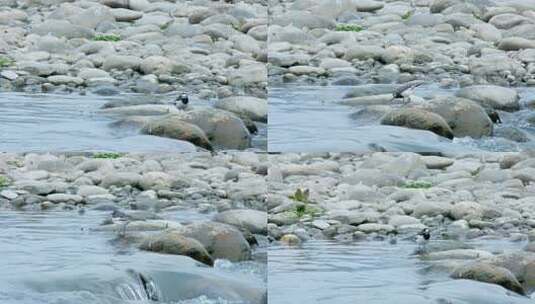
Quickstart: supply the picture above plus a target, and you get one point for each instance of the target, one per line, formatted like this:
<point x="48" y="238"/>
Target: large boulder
<point x="172" y="126"/>
<point x="495" y="97"/>
<point x="253" y="221"/>
<point x="172" y="242"/>
<point x="222" y="241"/>
<point x="250" y="107"/>
<point x="464" y="116"/>
<point x="489" y="273"/>
<point x="224" y="129"/>
<point x="418" y="119"/>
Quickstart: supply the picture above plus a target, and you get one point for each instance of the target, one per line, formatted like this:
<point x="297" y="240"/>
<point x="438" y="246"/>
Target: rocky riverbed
<point x="214" y="51"/>
<point x="163" y="216"/>
<point x="479" y="50"/>
<point x="447" y="41"/>
<point x="466" y="201"/>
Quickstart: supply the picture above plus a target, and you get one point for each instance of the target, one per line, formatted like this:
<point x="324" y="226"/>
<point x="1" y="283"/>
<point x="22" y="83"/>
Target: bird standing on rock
<point x="182" y="101"/>
<point x="406" y="90"/>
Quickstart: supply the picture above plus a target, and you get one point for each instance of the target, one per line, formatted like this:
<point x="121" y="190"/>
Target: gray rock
<point x="89" y="190"/>
<point x="224" y="129"/>
<point x="121" y="62"/>
<point x="368" y="6"/>
<point x="125" y="15"/>
<point x="253" y="108"/>
<point x="464" y="116"/>
<point x="64" y="198"/>
<point x="488" y="273"/>
<point x="10" y="75"/>
<point x="63" y="28"/>
<point x="507" y="21"/>
<point x="172" y="242"/>
<point x="515" y="44"/>
<point x="495" y="97"/>
<point x="159" y="65"/>
<point x="302" y="19"/>
<point x="487" y="32"/>
<point x="439" y="5"/>
<point x="172" y="126"/>
<point x="418" y="119"/>
<point x="120" y="179"/>
<point x="222" y="241"/>
<point x="249" y="220"/>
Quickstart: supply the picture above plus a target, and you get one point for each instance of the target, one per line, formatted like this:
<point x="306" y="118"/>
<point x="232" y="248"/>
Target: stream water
<point x="373" y="273"/>
<point x="311" y="118"/>
<point x="47" y="122"/>
<point x="56" y="257"/>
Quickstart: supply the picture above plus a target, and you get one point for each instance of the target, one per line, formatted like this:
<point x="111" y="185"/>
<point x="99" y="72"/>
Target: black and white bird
<point x="422" y="238"/>
<point x="182" y="101"/>
<point x="406" y="90"/>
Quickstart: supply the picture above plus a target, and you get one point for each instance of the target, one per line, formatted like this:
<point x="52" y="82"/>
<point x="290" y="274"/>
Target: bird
<point x="182" y="101"/>
<point x="422" y="238"/>
<point x="406" y="90"/>
<point x="494" y="116"/>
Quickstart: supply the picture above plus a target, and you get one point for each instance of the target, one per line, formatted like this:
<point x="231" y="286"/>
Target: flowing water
<point x="57" y="257"/>
<point x="373" y="273"/>
<point x="47" y="122"/>
<point x="312" y="118"/>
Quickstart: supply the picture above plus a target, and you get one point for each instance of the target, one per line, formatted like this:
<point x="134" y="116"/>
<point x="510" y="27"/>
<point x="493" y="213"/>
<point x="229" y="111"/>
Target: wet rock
<point x="495" y="97"/>
<point x="511" y="133"/>
<point x="290" y="240"/>
<point x="253" y="108"/>
<point x="222" y="241"/>
<point x="488" y="273"/>
<point x="173" y="127"/>
<point x="418" y="119"/>
<point x="464" y="116"/>
<point x="222" y="128"/>
<point x="172" y="242"/>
